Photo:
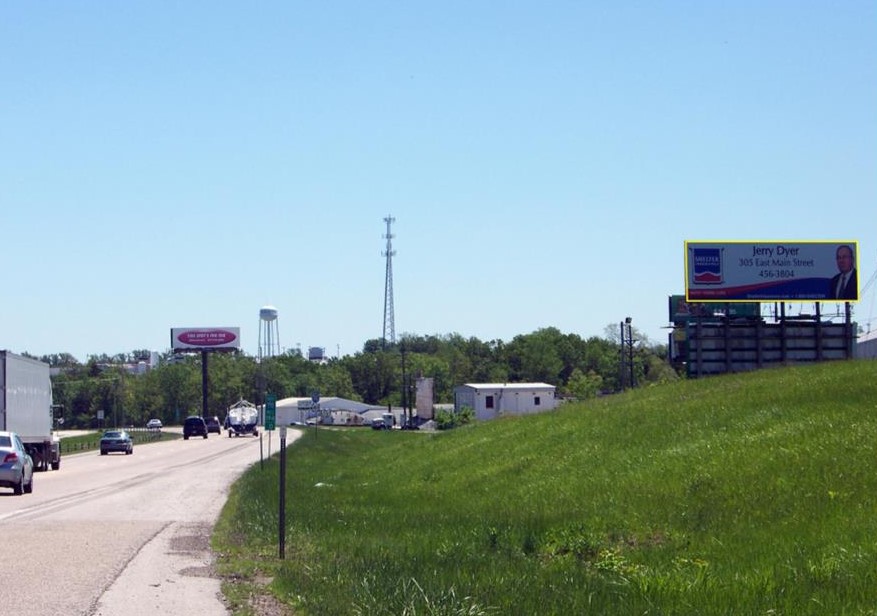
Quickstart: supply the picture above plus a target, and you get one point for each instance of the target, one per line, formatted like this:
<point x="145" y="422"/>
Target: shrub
<point x="445" y="420"/>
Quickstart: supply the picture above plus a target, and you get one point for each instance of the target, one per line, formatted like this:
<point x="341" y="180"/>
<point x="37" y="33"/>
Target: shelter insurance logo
<point x="707" y="265"/>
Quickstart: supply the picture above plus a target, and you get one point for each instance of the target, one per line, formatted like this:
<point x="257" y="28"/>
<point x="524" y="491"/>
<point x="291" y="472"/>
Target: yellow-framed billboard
<point x="766" y="271"/>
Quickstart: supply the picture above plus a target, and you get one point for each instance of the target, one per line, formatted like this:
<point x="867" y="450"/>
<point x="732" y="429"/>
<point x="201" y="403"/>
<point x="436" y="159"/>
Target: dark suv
<point x="213" y="425"/>
<point x="194" y="426"/>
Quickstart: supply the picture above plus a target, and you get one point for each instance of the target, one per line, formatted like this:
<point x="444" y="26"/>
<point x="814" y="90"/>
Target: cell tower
<point x="269" y="338"/>
<point x="389" y="317"/>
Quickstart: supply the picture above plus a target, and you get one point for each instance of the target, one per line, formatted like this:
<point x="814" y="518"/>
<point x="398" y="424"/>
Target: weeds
<point x="742" y="494"/>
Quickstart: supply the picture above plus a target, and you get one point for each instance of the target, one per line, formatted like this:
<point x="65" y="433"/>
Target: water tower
<point x="269" y="337"/>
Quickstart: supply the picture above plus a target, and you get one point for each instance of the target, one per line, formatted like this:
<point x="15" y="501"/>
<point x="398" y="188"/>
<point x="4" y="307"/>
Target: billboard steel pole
<point x="204" y="355"/>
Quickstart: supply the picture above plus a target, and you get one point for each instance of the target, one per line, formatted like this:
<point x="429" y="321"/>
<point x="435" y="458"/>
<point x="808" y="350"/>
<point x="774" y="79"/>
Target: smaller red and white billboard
<point x="205" y="338"/>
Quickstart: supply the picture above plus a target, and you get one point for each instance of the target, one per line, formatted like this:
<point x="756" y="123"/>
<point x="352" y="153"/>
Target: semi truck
<point x="26" y="408"/>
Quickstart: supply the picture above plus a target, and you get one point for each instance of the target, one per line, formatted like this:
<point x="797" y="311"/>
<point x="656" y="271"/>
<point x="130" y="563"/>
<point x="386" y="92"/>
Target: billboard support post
<point x="205" y="341"/>
<point x="849" y="329"/>
<point x="204" y="384"/>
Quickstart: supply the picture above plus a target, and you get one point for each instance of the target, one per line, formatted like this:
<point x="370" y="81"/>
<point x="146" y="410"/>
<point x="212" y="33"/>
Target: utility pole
<point x="626" y="354"/>
<point x="621" y="363"/>
<point x="389" y="317"/>
<point x="630" y="350"/>
<point x="404" y="391"/>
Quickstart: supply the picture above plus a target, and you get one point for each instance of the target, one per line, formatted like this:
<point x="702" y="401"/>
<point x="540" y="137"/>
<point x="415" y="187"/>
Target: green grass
<point x="742" y="494"/>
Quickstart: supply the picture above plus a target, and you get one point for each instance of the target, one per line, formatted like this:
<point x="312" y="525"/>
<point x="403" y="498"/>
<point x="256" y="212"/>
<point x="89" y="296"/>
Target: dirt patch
<point x="254" y="594"/>
<point x="199" y="541"/>
<point x="267" y="605"/>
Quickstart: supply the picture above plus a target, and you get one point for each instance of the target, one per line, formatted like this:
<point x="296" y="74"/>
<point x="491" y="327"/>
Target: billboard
<point x="681" y="310"/>
<point x="205" y="339"/>
<point x="741" y="271"/>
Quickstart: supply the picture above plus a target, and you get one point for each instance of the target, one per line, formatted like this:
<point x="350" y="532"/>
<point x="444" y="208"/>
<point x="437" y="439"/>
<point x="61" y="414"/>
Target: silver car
<point x="16" y="466"/>
<point x="116" y="440"/>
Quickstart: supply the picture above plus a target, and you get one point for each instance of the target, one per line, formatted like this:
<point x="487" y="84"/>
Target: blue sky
<point x="171" y="164"/>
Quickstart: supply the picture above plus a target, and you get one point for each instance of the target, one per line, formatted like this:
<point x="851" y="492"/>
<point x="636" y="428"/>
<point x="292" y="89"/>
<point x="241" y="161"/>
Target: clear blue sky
<point x="182" y="164"/>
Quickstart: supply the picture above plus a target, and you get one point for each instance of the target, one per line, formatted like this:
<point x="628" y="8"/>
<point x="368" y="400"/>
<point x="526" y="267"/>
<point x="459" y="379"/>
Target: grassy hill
<point x="746" y="494"/>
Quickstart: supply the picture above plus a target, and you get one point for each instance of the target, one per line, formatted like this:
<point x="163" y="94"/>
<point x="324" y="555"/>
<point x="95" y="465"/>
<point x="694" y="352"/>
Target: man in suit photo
<point x="845" y="285"/>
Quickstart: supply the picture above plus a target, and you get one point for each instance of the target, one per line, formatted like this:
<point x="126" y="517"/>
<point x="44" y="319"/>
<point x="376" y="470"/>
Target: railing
<point x="76" y="444"/>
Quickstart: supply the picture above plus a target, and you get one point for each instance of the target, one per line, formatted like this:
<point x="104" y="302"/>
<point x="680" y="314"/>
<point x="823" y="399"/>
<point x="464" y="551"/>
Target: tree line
<point x="380" y="374"/>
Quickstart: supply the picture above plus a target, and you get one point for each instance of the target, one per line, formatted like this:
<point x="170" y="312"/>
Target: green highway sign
<point x="270" y="411"/>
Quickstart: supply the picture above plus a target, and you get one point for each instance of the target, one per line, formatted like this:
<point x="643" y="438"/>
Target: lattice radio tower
<point x="389" y="317"/>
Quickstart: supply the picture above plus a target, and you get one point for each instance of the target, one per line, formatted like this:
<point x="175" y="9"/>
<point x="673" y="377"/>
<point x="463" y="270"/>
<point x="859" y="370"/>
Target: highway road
<point x="123" y="535"/>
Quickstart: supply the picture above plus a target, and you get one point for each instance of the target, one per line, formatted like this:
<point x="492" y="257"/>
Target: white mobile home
<point x="491" y="400"/>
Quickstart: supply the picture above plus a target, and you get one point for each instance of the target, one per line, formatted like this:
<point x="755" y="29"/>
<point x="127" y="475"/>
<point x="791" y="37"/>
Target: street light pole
<point x="630" y="350"/>
<point x="621" y="370"/>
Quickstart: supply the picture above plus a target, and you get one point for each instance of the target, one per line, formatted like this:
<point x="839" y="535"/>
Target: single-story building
<point x="491" y="400"/>
<point x="332" y="410"/>
<point x="866" y="346"/>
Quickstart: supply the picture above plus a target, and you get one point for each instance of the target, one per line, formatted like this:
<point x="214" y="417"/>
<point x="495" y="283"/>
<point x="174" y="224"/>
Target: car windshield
<point x="112" y="434"/>
<point x="5" y="441"/>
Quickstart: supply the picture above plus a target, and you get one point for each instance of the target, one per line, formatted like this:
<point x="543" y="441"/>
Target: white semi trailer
<point x="26" y="407"/>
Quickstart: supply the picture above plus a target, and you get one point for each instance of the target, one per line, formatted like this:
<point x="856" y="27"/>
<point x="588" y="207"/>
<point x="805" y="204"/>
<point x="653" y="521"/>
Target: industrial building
<point x="331" y="410"/>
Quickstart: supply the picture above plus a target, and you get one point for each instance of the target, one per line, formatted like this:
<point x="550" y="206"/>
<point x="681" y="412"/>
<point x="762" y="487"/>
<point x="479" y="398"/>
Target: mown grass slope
<point x="744" y="494"/>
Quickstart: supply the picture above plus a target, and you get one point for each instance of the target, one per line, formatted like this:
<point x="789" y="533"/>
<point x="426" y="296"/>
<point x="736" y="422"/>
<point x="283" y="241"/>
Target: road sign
<point x="315" y="397"/>
<point x="270" y="411"/>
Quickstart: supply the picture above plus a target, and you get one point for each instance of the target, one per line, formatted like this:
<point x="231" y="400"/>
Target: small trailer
<point x="242" y="418"/>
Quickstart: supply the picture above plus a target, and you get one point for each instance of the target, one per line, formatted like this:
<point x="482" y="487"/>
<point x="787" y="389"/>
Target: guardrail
<point x="92" y="441"/>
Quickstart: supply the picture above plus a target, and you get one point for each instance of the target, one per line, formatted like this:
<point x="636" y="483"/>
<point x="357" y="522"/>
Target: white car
<point x="153" y="424"/>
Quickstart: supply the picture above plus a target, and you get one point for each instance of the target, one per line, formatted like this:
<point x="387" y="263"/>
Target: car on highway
<point x="213" y="425"/>
<point x="16" y="466"/>
<point x="153" y="424"/>
<point x="116" y="440"/>
<point x="194" y="426"/>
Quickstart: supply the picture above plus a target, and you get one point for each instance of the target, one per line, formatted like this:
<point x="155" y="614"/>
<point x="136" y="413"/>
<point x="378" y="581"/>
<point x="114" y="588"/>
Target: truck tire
<point x="56" y="465"/>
